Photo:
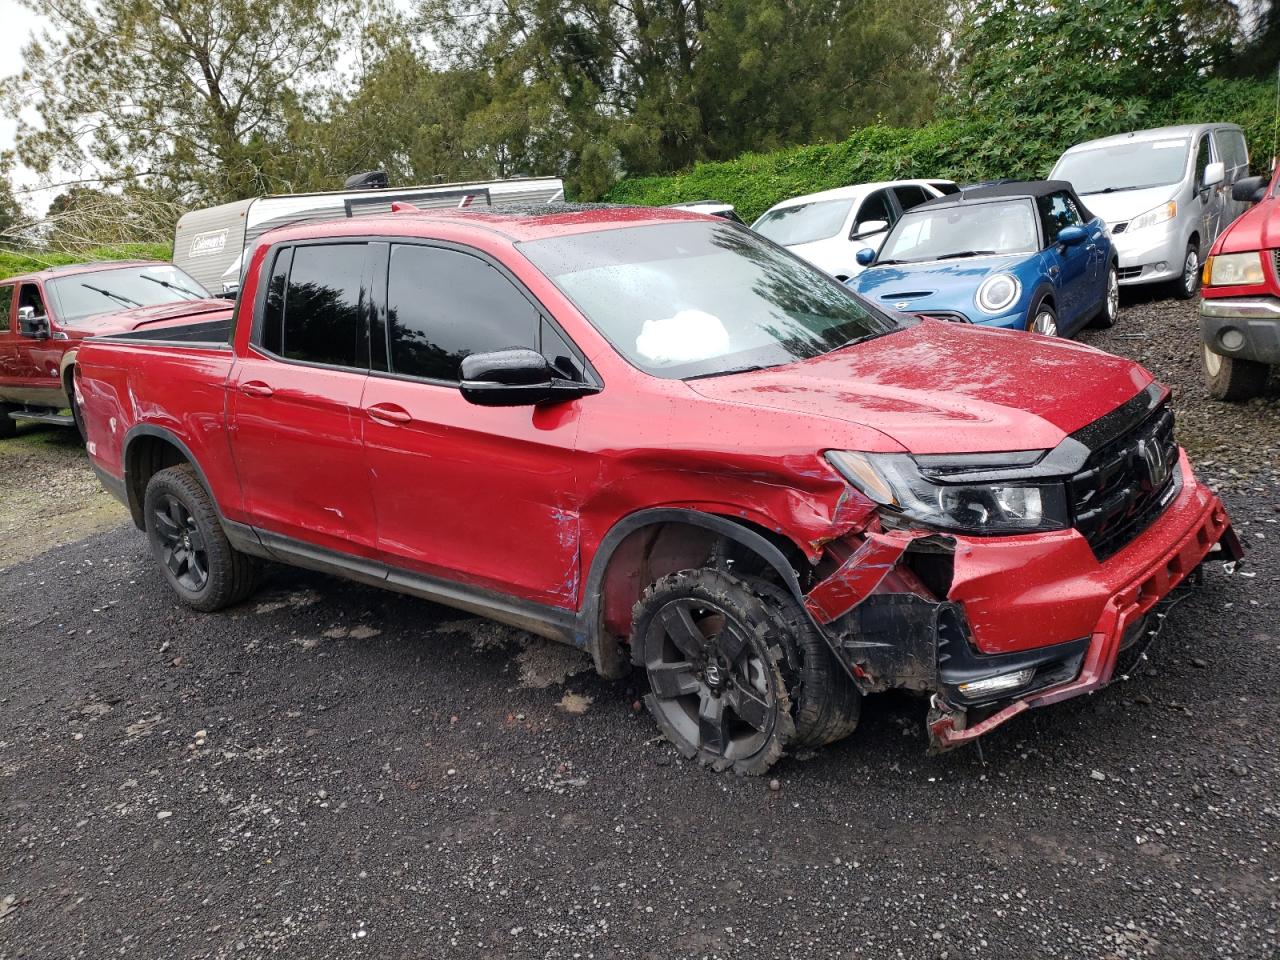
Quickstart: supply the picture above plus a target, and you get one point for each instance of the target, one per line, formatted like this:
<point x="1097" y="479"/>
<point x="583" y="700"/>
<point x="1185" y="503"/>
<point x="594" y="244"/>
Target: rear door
<point x="294" y="400"/>
<point x="1209" y="200"/>
<point x="482" y="495"/>
<point x="1073" y="269"/>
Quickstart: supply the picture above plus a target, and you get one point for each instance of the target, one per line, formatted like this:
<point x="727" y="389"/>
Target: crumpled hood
<point x="908" y="286"/>
<point x="1123" y="205"/>
<point x="160" y="314"/>
<point x="938" y="387"/>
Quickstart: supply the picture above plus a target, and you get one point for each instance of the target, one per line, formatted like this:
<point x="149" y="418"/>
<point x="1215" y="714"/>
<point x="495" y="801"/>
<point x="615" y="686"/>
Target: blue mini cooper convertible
<point x="1028" y="256"/>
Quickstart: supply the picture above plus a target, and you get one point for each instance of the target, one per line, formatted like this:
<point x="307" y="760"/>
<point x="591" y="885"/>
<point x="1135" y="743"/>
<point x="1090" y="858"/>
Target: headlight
<point x="997" y="294"/>
<point x="1235" y="269"/>
<point x="895" y="482"/>
<point x="1161" y="214"/>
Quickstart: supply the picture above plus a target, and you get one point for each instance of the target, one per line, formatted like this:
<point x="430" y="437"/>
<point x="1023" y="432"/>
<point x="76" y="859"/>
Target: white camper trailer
<point x="209" y="244"/>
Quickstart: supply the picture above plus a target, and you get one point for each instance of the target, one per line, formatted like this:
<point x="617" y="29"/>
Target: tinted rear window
<point x="324" y="306"/>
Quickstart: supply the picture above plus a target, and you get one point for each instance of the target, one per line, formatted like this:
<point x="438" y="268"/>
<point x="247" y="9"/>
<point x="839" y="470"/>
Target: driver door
<point x="1070" y="267"/>
<point x="36" y="359"/>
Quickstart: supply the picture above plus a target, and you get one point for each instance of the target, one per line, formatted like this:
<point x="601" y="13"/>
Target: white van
<point x="209" y="244"/>
<point x="1165" y="195"/>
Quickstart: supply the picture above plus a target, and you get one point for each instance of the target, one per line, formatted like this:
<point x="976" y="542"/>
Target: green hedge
<point x="14" y="262"/>
<point x="960" y="150"/>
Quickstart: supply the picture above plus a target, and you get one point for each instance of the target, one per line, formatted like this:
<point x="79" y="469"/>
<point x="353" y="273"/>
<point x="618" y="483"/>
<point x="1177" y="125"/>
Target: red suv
<point x="663" y="439"/>
<point x="45" y="316"/>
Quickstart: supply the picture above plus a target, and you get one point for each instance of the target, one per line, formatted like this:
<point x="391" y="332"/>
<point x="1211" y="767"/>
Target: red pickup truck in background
<point x="1240" y="309"/>
<point x="45" y="316"/>
<point x="660" y="437"/>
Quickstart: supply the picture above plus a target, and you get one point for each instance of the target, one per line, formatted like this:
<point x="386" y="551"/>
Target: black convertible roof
<point x="998" y="191"/>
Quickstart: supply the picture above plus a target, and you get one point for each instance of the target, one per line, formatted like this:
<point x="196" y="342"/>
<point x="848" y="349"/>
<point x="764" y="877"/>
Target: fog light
<point x="1162" y="266"/>
<point x="998" y="684"/>
<point x="1231" y="339"/>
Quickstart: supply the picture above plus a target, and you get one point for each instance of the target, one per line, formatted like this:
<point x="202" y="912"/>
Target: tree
<point x="11" y="216"/>
<point x="1047" y="73"/>
<point x="193" y="94"/>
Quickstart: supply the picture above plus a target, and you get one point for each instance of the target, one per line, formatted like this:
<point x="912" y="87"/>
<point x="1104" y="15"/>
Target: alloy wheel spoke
<point x="166" y="527"/>
<point x="196" y="540"/>
<point x="731" y="644"/>
<point x="671" y="680"/>
<point x="713" y="730"/>
<point x="749" y="706"/>
<point x="176" y="513"/>
<point x="195" y="566"/>
<point x="175" y="560"/>
<point x="684" y="633"/>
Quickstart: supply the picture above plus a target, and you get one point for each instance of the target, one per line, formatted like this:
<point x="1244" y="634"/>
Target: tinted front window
<point x="972" y="229"/>
<point x="1058" y="210"/>
<point x="83" y="295"/>
<point x="443" y="305"/>
<point x="690" y="299"/>
<point x="804" y="222"/>
<point x="1125" y="166"/>
<point x="324" y="305"/>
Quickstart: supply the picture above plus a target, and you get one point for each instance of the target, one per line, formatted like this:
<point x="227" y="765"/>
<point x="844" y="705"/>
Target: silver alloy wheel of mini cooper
<point x="1045" y="322"/>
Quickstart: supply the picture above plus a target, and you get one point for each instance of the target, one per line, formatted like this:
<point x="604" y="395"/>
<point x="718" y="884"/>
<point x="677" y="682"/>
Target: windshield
<point x="1125" y="166"/>
<point x="974" y="229"/>
<point x="84" y="295"/>
<point x="691" y="299"/>
<point x="804" y="222"/>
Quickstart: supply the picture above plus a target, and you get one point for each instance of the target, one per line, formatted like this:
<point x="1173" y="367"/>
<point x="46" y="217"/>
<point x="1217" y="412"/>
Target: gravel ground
<point x="333" y="771"/>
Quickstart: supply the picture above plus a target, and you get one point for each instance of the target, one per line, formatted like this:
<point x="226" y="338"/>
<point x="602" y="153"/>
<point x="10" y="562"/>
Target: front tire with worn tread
<point x="188" y="542"/>
<point x="1232" y="379"/>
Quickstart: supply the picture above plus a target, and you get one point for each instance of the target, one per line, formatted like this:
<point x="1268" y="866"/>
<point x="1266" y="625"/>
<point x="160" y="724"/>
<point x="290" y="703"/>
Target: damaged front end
<point x="989" y="624"/>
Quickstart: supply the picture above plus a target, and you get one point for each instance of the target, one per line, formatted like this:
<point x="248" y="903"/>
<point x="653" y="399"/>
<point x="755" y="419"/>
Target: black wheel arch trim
<point x="133" y="497"/>
<point x="604" y="653"/>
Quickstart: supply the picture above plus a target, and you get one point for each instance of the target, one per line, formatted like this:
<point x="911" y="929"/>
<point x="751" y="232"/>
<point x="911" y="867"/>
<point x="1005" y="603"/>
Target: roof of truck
<point x="70" y="269"/>
<point x="515" y="227"/>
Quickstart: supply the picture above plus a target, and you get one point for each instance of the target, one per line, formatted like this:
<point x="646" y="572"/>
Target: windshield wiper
<point x="967" y="253"/>
<point x="108" y="293"/>
<point x="732" y="370"/>
<point x="1137" y="186"/>
<point x="174" y="286"/>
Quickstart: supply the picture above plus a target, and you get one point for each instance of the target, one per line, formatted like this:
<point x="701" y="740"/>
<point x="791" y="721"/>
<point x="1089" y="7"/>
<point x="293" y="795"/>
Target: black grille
<point x="1128" y="273"/>
<point x="1125" y="484"/>
<point x="1275" y="261"/>
<point x="1120" y="227"/>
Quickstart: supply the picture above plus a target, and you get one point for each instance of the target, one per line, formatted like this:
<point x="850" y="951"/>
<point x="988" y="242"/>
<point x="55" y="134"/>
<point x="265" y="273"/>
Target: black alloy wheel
<point x="182" y="548"/>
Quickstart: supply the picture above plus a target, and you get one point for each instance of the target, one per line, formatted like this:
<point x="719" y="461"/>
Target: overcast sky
<point x="20" y="24"/>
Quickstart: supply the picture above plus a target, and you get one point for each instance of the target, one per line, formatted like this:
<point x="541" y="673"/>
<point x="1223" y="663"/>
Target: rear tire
<point x="74" y="404"/>
<point x="8" y="426"/>
<point x="1232" y="379"/>
<point x="1105" y="318"/>
<point x="188" y="542"/>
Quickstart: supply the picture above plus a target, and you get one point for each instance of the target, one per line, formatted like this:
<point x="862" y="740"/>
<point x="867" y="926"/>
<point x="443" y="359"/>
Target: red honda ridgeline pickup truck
<point x="659" y="437"/>
<point x="45" y="316"/>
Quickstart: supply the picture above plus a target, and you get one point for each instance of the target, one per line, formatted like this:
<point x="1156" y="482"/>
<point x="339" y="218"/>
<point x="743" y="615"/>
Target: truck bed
<point x="210" y="334"/>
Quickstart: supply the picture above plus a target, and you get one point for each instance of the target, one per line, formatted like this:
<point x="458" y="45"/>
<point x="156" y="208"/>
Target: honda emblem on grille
<point x="1154" y="462"/>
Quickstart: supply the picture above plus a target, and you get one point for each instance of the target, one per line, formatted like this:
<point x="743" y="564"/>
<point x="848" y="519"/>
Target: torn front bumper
<point x="1040" y="606"/>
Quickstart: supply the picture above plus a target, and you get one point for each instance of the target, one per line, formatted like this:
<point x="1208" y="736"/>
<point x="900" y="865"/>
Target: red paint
<point x="1255" y="230"/>
<point x="519" y="499"/>
<point x="38" y="367"/>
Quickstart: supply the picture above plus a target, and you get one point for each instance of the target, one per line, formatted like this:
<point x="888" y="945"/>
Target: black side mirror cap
<point x="1250" y="189"/>
<point x="516" y="378"/>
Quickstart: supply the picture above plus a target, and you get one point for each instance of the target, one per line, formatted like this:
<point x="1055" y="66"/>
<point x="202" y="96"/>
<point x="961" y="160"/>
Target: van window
<point x="1127" y="165"/>
<point x="1232" y="150"/>
<point x="1202" y="159"/>
<point x="443" y="305"/>
<point x="324" y="306"/>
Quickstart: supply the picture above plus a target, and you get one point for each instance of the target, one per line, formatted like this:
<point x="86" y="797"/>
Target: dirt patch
<point x="48" y="494"/>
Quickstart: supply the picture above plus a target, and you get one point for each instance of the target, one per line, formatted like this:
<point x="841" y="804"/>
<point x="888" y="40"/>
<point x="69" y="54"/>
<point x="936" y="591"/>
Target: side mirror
<point x="869" y="228"/>
<point x="516" y="378"/>
<point x="865" y="257"/>
<point x="1214" y="174"/>
<point x="1250" y="189"/>
<point x="1072" y="235"/>
<point x="29" y="325"/>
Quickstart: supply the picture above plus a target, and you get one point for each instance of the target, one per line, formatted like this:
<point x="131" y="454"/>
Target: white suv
<point x="829" y="228"/>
